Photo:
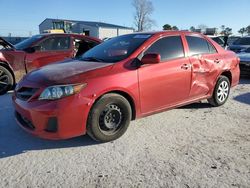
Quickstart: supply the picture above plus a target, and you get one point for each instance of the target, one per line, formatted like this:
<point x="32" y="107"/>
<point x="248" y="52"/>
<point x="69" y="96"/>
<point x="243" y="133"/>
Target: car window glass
<point x="197" y="45"/>
<point x="27" y="42"/>
<point x="116" y="49"/>
<point x="211" y="48"/>
<point x="168" y="47"/>
<point x="55" y="43"/>
<point x="218" y="40"/>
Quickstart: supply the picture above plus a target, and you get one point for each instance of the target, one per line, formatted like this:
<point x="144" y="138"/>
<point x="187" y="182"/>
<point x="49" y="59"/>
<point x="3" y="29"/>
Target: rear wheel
<point x="6" y="80"/>
<point x="109" y="118"/>
<point x="221" y="92"/>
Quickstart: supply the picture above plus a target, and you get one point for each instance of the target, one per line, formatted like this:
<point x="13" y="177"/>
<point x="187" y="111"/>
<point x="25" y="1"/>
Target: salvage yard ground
<point x="192" y="146"/>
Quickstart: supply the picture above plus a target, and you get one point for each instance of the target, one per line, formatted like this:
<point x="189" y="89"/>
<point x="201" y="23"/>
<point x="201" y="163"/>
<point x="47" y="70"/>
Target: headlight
<point x="60" y="91"/>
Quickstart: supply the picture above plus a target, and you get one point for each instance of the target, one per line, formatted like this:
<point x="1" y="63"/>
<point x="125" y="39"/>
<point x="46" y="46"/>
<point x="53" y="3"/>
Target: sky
<point x="22" y="17"/>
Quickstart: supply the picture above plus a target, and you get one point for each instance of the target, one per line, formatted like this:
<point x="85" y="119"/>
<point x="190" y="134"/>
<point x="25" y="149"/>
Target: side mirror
<point x="30" y="50"/>
<point x="153" y="58"/>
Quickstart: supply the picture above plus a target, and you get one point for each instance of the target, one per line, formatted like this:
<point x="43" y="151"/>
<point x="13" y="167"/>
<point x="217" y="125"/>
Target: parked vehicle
<point x="245" y="62"/>
<point x="39" y="50"/>
<point x="124" y="78"/>
<point x="240" y="45"/>
<point x="219" y="40"/>
<point x="232" y="39"/>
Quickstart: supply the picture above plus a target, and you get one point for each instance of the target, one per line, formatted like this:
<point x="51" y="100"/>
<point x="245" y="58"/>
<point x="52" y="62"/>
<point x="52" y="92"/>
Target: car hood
<point x="244" y="57"/>
<point x="5" y="44"/>
<point x="67" y="72"/>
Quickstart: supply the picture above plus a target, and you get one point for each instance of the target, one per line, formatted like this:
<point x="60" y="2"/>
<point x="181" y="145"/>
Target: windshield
<point x="115" y="49"/>
<point x="26" y="43"/>
<point x="242" y="41"/>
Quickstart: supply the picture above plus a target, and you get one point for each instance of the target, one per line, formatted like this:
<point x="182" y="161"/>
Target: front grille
<point x="25" y="93"/>
<point x="24" y="121"/>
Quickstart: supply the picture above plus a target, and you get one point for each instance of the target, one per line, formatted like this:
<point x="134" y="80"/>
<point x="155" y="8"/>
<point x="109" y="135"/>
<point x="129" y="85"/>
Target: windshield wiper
<point x="92" y="59"/>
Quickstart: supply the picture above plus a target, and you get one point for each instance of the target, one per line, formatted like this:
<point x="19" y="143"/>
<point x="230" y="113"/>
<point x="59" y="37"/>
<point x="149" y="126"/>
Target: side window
<point x="197" y="45"/>
<point x="211" y="48"/>
<point x="168" y="47"/>
<point x="55" y="43"/>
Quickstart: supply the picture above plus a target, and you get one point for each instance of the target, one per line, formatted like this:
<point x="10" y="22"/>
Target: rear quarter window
<point x="198" y="45"/>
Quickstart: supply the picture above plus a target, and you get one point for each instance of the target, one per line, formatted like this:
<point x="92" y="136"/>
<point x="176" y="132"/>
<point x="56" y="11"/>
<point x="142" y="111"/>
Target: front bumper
<point x="59" y="119"/>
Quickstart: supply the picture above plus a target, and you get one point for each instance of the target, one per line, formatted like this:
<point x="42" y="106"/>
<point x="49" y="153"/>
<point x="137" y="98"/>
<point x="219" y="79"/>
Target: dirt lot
<point x="193" y="146"/>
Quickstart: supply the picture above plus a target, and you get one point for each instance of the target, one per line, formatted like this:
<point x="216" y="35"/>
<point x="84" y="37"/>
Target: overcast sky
<point x="22" y="17"/>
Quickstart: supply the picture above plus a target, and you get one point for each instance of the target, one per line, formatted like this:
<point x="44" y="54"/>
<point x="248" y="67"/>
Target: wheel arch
<point x="126" y="95"/>
<point x="228" y="74"/>
<point x="9" y="68"/>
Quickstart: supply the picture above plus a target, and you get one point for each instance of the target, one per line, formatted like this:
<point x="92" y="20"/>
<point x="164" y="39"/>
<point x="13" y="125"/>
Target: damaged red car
<point x="39" y="50"/>
<point x="122" y="79"/>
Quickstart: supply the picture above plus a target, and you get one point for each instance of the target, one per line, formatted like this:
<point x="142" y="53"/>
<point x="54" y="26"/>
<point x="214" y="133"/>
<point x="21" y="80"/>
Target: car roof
<point x="70" y="34"/>
<point x="167" y="32"/>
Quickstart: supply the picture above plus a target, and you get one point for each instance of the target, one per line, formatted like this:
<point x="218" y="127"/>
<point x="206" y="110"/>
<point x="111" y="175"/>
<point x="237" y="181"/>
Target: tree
<point x="143" y="11"/>
<point x="242" y="31"/>
<point x="192" y="28"/>
<point x="226" y="31"/>
<point x="248" y="30"/>
<point x="175" y="28"/>
<point x="167" y="27"/>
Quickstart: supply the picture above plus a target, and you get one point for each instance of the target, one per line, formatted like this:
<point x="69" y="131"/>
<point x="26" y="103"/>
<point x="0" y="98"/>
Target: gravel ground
<point x="192" y="146"/>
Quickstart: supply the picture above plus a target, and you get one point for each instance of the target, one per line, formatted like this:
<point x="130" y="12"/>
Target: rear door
<point x="49" y="50"/>
<point x="205" y="61"/>
<point x="168" y="82"/>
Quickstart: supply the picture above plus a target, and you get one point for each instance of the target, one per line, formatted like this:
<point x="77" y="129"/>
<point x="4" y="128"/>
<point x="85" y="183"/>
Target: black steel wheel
<point x="6" y="80"/>
<point x="109" y="118"/>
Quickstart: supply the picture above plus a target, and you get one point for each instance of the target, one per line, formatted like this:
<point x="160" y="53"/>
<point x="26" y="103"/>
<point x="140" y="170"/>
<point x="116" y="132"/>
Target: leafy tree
<point x="167" y="27"/>
<point x="226" y="31"/>
<point x="143" y="12"/>
<point x="248" y="30"/>
<point x="192" y="28"/>
<point x="175" y="28"/>
<point x="242" y="31"/>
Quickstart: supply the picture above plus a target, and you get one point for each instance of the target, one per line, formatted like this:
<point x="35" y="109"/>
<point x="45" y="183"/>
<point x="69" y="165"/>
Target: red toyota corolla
<point x="122" y="79"/>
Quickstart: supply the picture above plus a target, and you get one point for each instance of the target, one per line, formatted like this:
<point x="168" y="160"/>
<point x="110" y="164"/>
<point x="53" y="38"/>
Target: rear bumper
<point x="61" y="119"/>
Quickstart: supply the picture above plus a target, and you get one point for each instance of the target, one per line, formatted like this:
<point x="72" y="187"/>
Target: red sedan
<point x="125" y="78"/>
<point x="39" y="50"/>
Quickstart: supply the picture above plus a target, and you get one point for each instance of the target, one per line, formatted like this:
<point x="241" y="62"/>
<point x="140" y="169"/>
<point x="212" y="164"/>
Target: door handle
<point x="185" y="66"/>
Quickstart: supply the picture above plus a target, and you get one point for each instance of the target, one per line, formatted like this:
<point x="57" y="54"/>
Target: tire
<point x="109" y="118"/>
<point x="221" y="92"/>
<point x="6" y="80"/>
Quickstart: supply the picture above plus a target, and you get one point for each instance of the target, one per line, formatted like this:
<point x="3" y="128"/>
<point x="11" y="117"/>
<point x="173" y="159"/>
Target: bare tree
<point x="203" y="27"/>
<point x="143" y="11"/>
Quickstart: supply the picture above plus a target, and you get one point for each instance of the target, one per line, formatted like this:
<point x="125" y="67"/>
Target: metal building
<point x="95" y="29"/>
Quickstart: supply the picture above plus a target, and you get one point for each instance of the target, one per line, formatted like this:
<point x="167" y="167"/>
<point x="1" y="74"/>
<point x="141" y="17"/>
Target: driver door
<point x="168" y="82"/>
<point x="50" y="50"/>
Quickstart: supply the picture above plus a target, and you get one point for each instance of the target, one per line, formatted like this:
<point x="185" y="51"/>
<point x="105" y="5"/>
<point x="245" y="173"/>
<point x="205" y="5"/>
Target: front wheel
<point x="221" y="92"/>
<point x="109" y="118"/>
<point x="6" y="80"/>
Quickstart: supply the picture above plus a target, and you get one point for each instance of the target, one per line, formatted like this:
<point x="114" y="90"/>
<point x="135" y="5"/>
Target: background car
<point x="240" y="45"/>
<point x="245" y="62"/>
<point x="39" y="50"/>
<point x="232" y="39"/>
<point x="124" y="78"/>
